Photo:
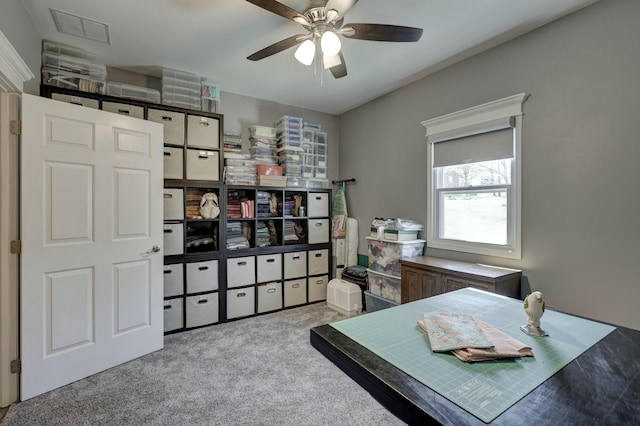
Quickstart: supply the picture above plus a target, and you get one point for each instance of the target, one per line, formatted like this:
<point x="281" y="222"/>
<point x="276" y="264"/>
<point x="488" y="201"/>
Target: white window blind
<point x="496" y="145"/>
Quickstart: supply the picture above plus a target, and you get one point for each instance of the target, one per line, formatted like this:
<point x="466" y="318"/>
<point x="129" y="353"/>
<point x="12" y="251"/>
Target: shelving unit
<point x="210" y="274"/>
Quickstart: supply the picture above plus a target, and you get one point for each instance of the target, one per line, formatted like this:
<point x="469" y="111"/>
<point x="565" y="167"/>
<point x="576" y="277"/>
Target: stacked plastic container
<point x="129" y="91"/>
<point x="181" y="89"/>
<point x="72" y="68"/>
<point x="210" y="95"/>
<point x="239" y="168"/>
<point x="289" y="133"/>
<point x="314" y="147"/>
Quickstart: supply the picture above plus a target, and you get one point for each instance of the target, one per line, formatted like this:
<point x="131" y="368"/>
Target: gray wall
<point x="580" y="155"/>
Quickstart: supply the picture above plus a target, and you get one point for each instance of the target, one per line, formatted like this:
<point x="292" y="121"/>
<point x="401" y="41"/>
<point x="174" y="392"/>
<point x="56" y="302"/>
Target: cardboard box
<point x="278" y="181"/>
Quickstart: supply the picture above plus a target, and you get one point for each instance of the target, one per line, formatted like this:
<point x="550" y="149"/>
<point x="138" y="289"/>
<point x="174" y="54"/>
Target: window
<point x="474" y="179"/>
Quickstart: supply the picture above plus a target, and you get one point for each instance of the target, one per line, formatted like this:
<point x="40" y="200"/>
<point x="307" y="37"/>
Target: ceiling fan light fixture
<point x="331" y="61"/>
<point x="332" y="15"/>
<point x="302" y="20"/>
<point x="305" y="52"/>
<point x="330" y="43"/>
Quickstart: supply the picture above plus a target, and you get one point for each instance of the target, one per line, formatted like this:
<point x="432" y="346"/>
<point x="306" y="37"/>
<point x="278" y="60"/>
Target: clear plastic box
<point x="262" y="131"/>
<point x="69" y="80"/>
<point x="175" y="89"/>
<point x="387" y="286"/>
<point x="181" y="101"/>
<point x="320" y="172"/>
<point x="74" y="65"/>
<point x="129" y="91"/>
<point x="168" y="73"/>
<point x="291" y="122"/>
<point x="64" y="49"/>
<point x="185" y="86"/>
<point x="385" y="255"/>
<point x="210" y="90"/>
<point x="374" y="303"/>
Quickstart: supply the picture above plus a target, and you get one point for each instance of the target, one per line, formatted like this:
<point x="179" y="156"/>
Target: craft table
<point x="600" y="386"/>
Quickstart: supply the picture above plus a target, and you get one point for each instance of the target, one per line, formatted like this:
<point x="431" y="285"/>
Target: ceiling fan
<point x="323" y="20"/>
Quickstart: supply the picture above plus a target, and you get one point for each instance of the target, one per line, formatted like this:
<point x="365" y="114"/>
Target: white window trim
<point x="475" y="117"/>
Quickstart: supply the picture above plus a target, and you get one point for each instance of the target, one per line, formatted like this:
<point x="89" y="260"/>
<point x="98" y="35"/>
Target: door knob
<point x="154" y="249"/>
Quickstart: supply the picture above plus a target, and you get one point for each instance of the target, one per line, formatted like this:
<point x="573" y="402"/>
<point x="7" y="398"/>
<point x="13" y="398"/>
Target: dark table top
<point x="601" y="386"/>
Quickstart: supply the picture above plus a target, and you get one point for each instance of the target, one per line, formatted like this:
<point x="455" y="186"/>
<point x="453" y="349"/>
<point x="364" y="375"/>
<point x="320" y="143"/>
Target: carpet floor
<point x="256" y="371"/>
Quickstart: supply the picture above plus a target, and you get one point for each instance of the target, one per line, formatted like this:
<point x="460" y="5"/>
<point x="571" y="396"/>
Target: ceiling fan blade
<point x="281" y="9"/>
<point x="340" y="6"/>
<point x="278" y="47"/>
<point x="339" y="70"/>
<point x="381" y="32"/>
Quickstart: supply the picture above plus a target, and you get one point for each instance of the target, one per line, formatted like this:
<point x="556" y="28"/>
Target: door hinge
<point x="16" y="366"/>
<point x="15" y="127"/>
<point x="16" y="247"/>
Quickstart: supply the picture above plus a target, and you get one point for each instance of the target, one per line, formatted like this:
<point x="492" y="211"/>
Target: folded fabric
<point x="465" y="336"/>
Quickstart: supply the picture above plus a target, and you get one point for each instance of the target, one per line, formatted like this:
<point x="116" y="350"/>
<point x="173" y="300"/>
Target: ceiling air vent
<point x="81" y="27"/>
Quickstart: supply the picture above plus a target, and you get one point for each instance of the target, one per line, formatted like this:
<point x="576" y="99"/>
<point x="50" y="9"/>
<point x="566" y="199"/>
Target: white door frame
<point x="13" y="74"/>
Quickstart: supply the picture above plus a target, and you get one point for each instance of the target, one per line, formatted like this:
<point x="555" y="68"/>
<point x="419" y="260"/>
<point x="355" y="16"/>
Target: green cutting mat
<point x="484" y="389"/>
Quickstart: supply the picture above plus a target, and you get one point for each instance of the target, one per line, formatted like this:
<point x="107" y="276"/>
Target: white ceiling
<point x="213" y="38"/>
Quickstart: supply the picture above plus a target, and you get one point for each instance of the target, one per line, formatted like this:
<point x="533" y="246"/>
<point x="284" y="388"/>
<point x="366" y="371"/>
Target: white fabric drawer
<point x="202" y="276"/>
<point x="318" y="231"/>
<point x="173" y="238"/>
<point x="241" y="271"/>
<point x="318" y="288"/>
<point x="295" y="265"/>
<point x="173" y="280"/>
<point x="173" y="124"/>
<point x="173" y="314"/>
<point x="295" y="292"/>
<point x="269" y="267"/>
<point x="173" y="163"/>
<point x="76" y="100"/>
<point x="173" y="204"/>
<point x="318" y="262"/>
<point x="134" y="111"/>
<point x="202" y="164"/>
<point x="318" y="204"/>
<point x="241" y="302"/>
<point x="202" y="310"/>
<point x="203" y="132"/>
<point x="269" y="297"/>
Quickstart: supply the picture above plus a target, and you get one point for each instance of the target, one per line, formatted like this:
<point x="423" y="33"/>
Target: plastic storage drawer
<point x="124" y="109"/>
<point x="269" y="297"/>
<point x="295" y="265"/>
<point x="203" y="165"/>
<point x="173" y="204"/>
<point x="241" y="302"/>
<point x="387" y="286"/>
<point x="269" y="267"/>
<point x="173" y="239"/>
<point x="202" y="310"/>
<point x="385" y="255"/>
<point x="173" y="124"/>
<point x="376" y="303"/>
<point x="173" y="163"/>
<point x="241" y="271"/>
<point x="129" y="91"/>
<point x="173" y="314"/>
<point x="202" y="276"/>
<point x="318" y="204"/>
<point x="295" y="292"/>
<point x="318" y="262"/>
<point x="203" y="132"/>
<point x="173" y="280"/>
<point x="69" y="80"/>
<point x="318" y="288"/>
<point x="318" y="231"/>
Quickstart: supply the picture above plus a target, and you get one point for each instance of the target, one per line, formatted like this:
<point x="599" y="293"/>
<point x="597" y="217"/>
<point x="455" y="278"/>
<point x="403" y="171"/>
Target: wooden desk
<point x="601" y="386"/>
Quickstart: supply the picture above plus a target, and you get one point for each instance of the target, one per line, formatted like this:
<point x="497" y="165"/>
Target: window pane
<point x="474" y="216"/>
<point x="486" y="173"/>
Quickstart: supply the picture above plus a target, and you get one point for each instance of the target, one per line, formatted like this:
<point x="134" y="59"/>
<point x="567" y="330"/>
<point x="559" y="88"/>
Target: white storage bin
<point x="129" y="91"/>
<point x="295" y="292"/>
<point x="318" y="231"/>
<point x="318" y="262"/>
<point x="173" y="239"/>
<point x="202" y="310"/>
<point x="269" y="297"/>
<point x="134" y="111"/>
<point x="173" y="280"/>
<point x="318" y="288"/>
<point x="385" y="255"/>
<point x="173" y="163"/>
<point x="173" y="123"/>
<point x="64" y="49"/>
<point x="387" y="286"/>
<point x="173" y="204"/>
<point x="241" y="302"/>
<point x="76" y="100"/>
<point x="295" y="265"/>
<point x="203" y="132"/>
<point x="202" y="276"/>
<point x="173" y="314"/>
<point x="344" y="297"/>
<point x="203" y="165"/>
<point x="269" y="267"/>
<point x="241" y="271"/>
<point x="318" y="204"/>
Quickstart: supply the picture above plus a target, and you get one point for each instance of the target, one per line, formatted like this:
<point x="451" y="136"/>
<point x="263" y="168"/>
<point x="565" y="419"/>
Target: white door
<point x="91" y="213"/>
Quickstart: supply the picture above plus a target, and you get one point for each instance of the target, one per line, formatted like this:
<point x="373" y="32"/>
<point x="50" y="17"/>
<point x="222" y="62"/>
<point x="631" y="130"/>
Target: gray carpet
<point x="255" y="371"/>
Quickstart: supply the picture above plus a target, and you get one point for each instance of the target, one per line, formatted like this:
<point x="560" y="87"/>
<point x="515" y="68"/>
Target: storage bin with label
<point x="202" y="309"/>
<point x="384" y="255"/>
